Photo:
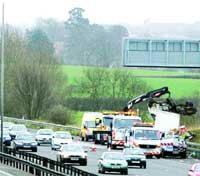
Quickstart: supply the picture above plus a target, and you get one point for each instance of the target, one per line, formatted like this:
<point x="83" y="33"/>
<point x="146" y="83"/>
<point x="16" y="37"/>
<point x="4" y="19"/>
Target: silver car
<point x="113" y="162"/>
<point x="72" y="153"/>
<point x="44" y="136"/>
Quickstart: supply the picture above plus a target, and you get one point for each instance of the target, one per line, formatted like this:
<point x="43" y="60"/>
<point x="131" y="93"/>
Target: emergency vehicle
<point x="147" y="138"/>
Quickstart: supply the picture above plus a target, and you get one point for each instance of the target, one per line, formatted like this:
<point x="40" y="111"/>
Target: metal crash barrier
<point x="38" y="165"/>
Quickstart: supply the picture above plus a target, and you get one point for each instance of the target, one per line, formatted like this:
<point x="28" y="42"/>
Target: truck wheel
<point x="144" y="165"/>
<point x="183" y="155"/>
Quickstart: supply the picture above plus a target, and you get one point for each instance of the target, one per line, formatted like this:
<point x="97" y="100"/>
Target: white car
<point x="113" y="162"/>
<point x="72" y="153"/>
<point x="17" y="129"/>
<point x="44" y="136"/>
<point x="59" y="138"/>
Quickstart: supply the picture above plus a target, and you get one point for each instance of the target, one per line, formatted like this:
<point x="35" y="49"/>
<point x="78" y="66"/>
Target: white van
<point x="147" y="139"/>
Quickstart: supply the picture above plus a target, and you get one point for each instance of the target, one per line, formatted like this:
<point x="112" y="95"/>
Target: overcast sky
<point x="133" y="12"/>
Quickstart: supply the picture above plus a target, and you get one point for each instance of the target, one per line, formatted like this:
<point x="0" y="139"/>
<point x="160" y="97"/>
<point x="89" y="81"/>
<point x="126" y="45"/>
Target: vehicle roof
<point x="62" y="132"/>
<point x="144" y="128"/>
<point x="125" y="117"/>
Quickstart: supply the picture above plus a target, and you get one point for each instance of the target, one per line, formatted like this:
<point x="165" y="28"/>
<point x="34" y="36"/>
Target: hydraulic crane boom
<point x="167" y="104"/>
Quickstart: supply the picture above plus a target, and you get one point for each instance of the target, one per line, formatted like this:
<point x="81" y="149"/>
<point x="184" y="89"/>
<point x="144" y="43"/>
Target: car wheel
<point x="144" y="165"/>
<point x="83" y="163"/>
<point x="113" y="146"/>
<point x="183" y="155"/>
<point x="34" y="150"/>
<point x="158" y="156"/>
<point x="38" y="144"/>
<point x="102" y="170"/>
<point x="124" y="172"/>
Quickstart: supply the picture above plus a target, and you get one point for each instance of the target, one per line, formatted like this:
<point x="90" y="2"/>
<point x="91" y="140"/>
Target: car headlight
<point x="34" y="143"/>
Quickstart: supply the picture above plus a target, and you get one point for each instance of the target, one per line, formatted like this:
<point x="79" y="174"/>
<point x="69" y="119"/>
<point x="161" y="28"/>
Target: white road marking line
<point x="5" y="173"/>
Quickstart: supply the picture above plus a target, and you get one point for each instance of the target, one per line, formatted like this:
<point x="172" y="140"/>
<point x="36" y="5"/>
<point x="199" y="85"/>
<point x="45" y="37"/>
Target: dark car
<point x="24" y="141"/>
<point x="6" y="137"/>
<point x="135" y="157"/>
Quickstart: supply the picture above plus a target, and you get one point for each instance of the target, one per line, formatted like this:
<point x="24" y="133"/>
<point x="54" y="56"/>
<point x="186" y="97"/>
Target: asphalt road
<point x="155" y="167"/>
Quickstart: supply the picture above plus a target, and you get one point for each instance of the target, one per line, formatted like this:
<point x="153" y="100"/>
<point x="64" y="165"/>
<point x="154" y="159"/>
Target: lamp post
<point x="2" y="76"/>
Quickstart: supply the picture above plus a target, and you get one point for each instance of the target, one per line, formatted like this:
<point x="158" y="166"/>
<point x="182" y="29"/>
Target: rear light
<point x="158" y="146"/>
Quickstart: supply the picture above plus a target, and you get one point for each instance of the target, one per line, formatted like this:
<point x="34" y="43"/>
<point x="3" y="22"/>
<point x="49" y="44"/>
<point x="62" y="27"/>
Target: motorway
<point x="155" y="167"/>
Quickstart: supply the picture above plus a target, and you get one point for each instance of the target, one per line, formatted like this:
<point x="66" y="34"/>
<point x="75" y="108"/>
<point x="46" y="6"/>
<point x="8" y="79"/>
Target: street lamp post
<point x="2" y="76"/>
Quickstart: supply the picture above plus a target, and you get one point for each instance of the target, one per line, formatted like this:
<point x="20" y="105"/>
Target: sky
<point x="132" y="12"/>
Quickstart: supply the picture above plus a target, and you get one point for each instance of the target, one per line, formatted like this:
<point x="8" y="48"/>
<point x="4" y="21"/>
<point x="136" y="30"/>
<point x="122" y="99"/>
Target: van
<point x="90" y="121"/>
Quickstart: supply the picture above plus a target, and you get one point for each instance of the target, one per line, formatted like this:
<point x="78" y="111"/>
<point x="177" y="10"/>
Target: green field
<point x="179" y="87"/>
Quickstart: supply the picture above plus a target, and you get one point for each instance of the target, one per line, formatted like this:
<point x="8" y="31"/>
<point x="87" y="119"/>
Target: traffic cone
<point x="93" y="148"/>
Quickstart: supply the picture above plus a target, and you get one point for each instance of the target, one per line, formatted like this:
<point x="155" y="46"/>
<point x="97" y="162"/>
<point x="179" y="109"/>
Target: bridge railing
<point x="38" y="165"/>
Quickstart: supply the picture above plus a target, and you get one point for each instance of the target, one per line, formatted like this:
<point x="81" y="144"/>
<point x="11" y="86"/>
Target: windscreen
<point x="24" y="137"/>
<point x="113" y="156"/>
<point x="107" y="121"/>
<point x="90" y="124"/>
<point x="125" y="123"/>
<point x="142" y="134"/>
<point x="72" y="148"/>
<point x="63" y="135"/>
<point x="45" y="132"/>
<point x="19" y="128"/>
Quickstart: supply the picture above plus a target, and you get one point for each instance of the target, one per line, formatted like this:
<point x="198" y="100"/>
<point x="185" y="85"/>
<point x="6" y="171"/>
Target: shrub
<point x="59" y="114"/>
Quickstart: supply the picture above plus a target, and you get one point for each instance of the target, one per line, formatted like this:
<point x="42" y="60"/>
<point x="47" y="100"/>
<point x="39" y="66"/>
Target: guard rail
<point x="193" y="149"/>
<point x="38" y="165"/>
<point x="39" y="124"/>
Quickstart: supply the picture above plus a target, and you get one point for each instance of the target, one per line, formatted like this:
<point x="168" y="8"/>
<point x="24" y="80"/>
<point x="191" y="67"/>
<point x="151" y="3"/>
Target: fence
<point x="39" y="165"/>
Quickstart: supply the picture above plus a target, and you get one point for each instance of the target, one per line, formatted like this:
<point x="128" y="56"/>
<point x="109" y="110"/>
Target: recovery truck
<point x="115" y="124"/>
<point x="166" y="114"/>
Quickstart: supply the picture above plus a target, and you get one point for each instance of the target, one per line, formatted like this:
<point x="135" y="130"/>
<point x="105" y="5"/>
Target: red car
<point x="194" y="170"/>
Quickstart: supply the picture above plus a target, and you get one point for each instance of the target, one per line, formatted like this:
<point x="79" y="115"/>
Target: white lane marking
<point x="5" y="173"/>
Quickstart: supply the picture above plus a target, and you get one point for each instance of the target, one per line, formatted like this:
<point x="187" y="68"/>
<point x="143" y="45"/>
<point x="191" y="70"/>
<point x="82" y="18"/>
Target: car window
<point x="45" y="132"/>
<point x="24" y="137"/>
<point x="113" y="156"/>
<point x="19" y="128"/>
<point x="133" y="152"/>
<point x="197" y="168"/>
<point x="72" y="148"/>
<point x="63" y="135"/>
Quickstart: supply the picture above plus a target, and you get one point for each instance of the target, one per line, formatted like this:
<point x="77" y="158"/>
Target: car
<point x="173" y="145"/>
<point x="44" y="136"/>
<point x="7" y="125"/>
<point x="24" y="141"/>
<point x="135" y="157"/>
<point x="194" y="170"/>
<point x="72" y="153"/>
<point x="59" y="138"/>
<point x="6" y="137"/>
<point x="113" y="162"/>
<point x="17" y="129"/>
